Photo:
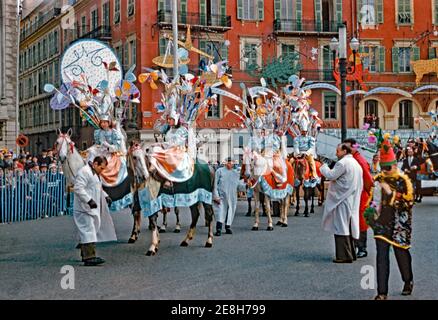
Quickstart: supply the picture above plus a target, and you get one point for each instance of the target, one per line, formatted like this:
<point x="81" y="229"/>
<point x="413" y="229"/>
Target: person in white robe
<point x="341" y="210"/>
<point x="90" y="211"/>
<point x="226" y="184"/>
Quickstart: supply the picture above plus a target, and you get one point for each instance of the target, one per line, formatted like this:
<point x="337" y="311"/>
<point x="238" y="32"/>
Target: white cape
<point x="94" y="225"/>
<point x="343" y="197"/>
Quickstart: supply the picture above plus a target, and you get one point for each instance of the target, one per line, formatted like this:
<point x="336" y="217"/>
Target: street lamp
<point x="341" y="48"/>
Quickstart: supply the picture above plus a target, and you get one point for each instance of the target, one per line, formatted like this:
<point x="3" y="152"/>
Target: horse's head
<point x="138" y="156"/>
<point x="300" y="167"/>
<point x="63" y="145"/>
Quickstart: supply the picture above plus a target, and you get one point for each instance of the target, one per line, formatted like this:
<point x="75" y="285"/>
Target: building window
<point x="55" y="42"/>
<point x="116" y="11"/>
<point x="404" y="59"/>
<point x="405" y="120"/>
<point x="94" y="19"/>
<point x="106" y="14"/>
<point x="250" y="10"/>
<point x="119" y="53"/>
<point x="370" y="58"/>
<point x="287" y="49"/>
<point x="327" y="64"/>
<point x="404" y="12"/>
<point x="287" y="9"/>
<point x="83" y="25"/>
<point x="217" y="49"/>
<point x="250" y="53"/>
<point x="214" y="110"/>
<point x="133" y="52"/>
<point x="330" y="106"/>
<point x="131" y="8"/>
<point x="372" y="113"/>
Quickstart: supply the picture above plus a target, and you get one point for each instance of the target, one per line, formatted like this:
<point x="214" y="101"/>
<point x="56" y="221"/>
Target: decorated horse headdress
<point x="92" y="82"/>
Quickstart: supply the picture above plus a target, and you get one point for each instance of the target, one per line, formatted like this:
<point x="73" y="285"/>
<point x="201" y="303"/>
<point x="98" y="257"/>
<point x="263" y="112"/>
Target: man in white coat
<point x="226" y="183"/>
<point x="341" y="211"/>
<point x="90" y="211"/>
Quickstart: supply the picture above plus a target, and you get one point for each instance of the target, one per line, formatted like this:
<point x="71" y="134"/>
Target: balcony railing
<point x="317" y="74"/>
<point x="100" y="33"/>
<point x="302" y="26"/>
<point x="195" y="19"/>
<point x="25" y="33"/>
<point x="406" y="123"/>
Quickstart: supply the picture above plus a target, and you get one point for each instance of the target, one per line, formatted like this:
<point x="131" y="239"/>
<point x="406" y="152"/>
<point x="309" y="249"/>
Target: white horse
<point x="69" y="156"/>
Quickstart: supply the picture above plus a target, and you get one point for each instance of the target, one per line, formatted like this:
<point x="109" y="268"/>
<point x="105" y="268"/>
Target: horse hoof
<point x="296" y="214"/>
<point x="319" y="204"/>
<point x="284" y="225"/>
<point x="156" y="250"/>
<point x="279" y="223"/>
<point x="131" y="240"/>
<point x="161" y="230"/>
<point x="184" y="244"/>
<point x="306" y="215"/>
<point x="150" y="253"/>
<point x="270" y="228"/>
<point x="208" y="245"/>
<point x="312" y="211"/>
<point x="176" y="231"/>
<point x="255" y="228"/>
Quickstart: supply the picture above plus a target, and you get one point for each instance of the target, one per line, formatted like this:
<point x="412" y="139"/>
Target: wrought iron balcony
<point x="100" y="33"/>
<point x="42" y="20"/>
<point x="195" y="19"/>
<point x="317" y="74"/>
<point x="305" y="26"/>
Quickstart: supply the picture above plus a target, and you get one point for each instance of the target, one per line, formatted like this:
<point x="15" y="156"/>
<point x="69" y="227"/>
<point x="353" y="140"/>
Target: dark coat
<point x="412" y="173"/>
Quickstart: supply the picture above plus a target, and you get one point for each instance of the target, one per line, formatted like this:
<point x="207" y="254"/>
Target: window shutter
<point x="260" y="10"/>
<point x="435" y="5"/>
<point x="395" y="68"/>
<point x="239" y="9"/>
<point x="277" y="9"/>
<point x="162" y="46"/>
<point x="381" y="59"/>
<point x="203" y="12"/>
<point x="183" y="10"/>
<point x="339" y="11"/>
<point x="299" y="14"/>
<point x="318" y="17"/>
<point x="416" y="53"/>
<point x="223" y="8"/>
<point x="359" y="7"/>
<point x="161" y="5"/>
<point x="432" y="53"/>
<point x="126" y="56"/>
<point x="379" y="10"/>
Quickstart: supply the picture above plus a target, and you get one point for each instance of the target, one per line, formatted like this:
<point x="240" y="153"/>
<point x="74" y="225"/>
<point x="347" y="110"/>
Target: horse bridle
<point x="70" y="148"/>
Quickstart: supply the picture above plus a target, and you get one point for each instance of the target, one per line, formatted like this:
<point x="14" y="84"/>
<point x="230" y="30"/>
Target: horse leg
<point x="194" y="210"/>
<point x="280" y="220"/>
<point x="321" y="193"/>
<point x="162" y="229"/>
<point x="312" y="208"/>
<point x="209" y="214"/>
<point x="135" y="227"/>
<point x="297" y="195"/>
<point x="268" y="213"/>
<point x="255" y="227"/>
<point x="178" y="223"/>
<point x="153" y="249"/>
<point x="306" y="201"/>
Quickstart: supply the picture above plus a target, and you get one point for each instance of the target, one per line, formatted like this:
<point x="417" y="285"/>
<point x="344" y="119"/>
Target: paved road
<point x="287" y="263"/>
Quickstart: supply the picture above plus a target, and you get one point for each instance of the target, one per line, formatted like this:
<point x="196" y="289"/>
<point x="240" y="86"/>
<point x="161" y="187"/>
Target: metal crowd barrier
<point x="29" y="196"/>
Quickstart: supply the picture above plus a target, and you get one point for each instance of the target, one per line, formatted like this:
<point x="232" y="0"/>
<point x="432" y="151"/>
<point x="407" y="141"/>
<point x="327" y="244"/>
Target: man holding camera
<point x="90" y="211"/>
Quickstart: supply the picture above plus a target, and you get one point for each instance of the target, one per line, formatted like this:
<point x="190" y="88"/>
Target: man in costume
<point x="90" y="211"/>
<point x="226" y="183"/>
<point x="341" y="210"/>
<point x="390" y="217"/>
<point x="365" y="195"/>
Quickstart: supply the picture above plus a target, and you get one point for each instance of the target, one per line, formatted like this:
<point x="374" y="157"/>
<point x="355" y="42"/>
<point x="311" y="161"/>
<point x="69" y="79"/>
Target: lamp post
<point x="341" y="48"/>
